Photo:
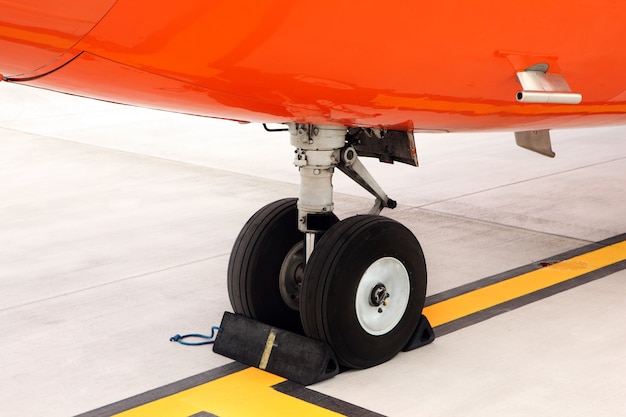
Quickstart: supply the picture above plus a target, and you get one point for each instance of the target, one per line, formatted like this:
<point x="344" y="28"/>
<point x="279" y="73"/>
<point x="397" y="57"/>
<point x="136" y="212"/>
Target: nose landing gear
<point x="359" y="284"/>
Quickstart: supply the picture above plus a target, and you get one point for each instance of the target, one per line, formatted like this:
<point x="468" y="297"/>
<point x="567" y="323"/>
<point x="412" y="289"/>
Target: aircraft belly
<point x="90" y="75"/>
<point x="425" y="66"/>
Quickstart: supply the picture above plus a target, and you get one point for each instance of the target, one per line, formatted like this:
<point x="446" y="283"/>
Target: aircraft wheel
<point x="364" y="289"/>
<point x="255" y="262"/>
<point x="266" y="266"/>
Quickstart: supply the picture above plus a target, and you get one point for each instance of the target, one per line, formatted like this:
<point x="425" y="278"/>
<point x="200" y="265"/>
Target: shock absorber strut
<point x="319" y="149"/>
<point x="317" y="155"/>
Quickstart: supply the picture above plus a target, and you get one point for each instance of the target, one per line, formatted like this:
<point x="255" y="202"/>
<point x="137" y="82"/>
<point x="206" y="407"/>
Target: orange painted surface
<point x="425" y="65"/>
<point x="35" y="34"/>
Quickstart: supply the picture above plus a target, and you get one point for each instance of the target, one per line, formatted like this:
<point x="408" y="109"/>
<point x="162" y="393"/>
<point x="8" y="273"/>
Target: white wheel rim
<point x="381" y="319"/>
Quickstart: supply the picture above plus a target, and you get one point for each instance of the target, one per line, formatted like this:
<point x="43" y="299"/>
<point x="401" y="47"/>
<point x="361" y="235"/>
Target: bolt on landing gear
<point x="359" y="284"/>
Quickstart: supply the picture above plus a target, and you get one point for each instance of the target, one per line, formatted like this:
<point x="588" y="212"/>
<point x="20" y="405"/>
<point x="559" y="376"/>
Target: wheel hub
<point x="291" y="275"/>
<point x="382" y="296"/>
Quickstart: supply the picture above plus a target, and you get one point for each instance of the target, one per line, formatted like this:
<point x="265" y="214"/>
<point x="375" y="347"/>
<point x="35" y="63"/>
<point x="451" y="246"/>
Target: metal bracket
<point x="386" y="145"/>
<point x="540" y="87"/>
<point x="353" y="168"/>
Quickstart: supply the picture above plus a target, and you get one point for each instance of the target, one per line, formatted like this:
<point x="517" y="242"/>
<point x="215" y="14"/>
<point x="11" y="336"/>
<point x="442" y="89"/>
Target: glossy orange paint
<point x="445" y="66"/>
<point x="35" y="35"/>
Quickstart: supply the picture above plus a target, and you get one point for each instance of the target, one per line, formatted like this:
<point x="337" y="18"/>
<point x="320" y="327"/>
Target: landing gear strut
<point x="358" y="285"/>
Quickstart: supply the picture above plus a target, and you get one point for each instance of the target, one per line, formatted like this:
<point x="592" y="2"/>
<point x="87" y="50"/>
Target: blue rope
<point x="178" y="338"/>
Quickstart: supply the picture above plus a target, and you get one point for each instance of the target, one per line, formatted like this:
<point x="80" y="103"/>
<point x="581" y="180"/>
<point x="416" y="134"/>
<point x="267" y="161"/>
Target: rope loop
<point x="211" y="338"/>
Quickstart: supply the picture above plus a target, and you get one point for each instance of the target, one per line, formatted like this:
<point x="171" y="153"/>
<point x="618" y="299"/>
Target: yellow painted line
<point x="250" y="392"/>
<point x="245" y="393"/>
<point x="512" y="288"/>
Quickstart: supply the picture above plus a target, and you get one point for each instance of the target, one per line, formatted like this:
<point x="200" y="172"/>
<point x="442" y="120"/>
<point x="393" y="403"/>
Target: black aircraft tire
<point x="269" y="241"/>
<point x="354" y="260"/>
<point x="255" y="262"/>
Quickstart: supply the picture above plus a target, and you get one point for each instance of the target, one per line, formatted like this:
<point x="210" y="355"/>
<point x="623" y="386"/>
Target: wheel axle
<point x="379" y="295"/>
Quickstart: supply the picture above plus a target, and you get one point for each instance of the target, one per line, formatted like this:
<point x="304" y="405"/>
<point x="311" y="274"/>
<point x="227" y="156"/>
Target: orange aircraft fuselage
<point x="427" y="66"/>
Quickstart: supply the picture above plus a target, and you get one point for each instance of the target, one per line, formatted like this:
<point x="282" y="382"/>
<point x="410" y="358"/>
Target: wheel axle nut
<point x="378" y="296"/>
